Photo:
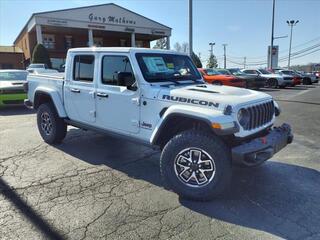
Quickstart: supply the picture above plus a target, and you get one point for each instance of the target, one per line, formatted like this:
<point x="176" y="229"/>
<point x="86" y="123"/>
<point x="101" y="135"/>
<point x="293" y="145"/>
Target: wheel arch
<point x="43" y="96"/>
<point x="178" y="122"/>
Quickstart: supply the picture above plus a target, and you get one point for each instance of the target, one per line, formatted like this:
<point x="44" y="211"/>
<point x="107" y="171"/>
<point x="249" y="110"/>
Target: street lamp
<point x="211" y="44"/>
<point x="291" y="23"/>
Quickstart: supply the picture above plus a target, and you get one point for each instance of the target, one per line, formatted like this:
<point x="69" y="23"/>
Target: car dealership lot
<point x="94" y="186"/>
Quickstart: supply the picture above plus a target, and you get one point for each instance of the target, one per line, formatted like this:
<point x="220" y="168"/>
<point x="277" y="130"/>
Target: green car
<point x="11" y="87"/>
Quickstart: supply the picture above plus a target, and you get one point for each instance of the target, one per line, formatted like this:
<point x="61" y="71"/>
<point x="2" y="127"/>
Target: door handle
<point x="102" y="95"/>
<point x="75" y="90"/>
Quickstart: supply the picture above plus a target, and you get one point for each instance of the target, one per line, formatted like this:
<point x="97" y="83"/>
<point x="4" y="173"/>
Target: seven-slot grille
<point x="260" y="115"/>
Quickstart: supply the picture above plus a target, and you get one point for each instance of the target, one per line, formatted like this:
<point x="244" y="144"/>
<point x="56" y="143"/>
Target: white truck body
<point x="144" y="107"/>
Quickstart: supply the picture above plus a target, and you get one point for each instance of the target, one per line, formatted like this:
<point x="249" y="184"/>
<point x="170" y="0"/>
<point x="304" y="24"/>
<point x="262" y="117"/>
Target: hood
<point x="219" y="77"/>
<point x="212" y="96"/>
<point x="12" y="84"/>
<point x="272" y="75"/>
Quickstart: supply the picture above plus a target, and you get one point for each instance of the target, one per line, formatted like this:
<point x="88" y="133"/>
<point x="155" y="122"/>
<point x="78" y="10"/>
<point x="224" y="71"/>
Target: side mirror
<point x="126" y="79"/>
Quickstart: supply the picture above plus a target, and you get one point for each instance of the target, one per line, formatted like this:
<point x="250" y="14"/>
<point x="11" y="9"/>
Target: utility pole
<point x="211" y="44"/>
<point x="190" y="28"/>
<point x="225" y="56"/>
<point x="272" y="35"/>
<point x="244" y="62"/>
<point x="291" y="24"/>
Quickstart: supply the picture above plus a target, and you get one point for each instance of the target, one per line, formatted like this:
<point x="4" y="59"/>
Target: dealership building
<point x="106" y="25"/>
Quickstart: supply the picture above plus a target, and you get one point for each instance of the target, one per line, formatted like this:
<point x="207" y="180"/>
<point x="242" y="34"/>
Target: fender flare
<point x="55" y="98"/>
<point x="200" y="114"/>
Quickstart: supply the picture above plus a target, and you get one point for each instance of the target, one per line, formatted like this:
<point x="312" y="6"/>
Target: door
<point x="117" y="106"/>
<point x="80" y="90"/>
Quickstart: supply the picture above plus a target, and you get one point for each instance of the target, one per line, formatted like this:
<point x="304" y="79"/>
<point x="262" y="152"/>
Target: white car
<point x="158" y="98"/>
<point x="36" y="66"/>
<point x="272" y="79"/>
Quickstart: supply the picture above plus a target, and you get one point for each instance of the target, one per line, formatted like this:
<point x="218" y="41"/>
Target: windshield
<point x="161" y="67"/>
<point x="12" y="76"/>
<point x="224" y="71"/>
<point x="236" y="72"/>
<point x="288" y="72"/>
<point x="263" y="71"/>
<point x="211" y="72"/>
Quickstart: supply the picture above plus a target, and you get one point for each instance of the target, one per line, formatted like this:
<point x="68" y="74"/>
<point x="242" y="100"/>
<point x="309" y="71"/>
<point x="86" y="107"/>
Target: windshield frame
<point x="196" y="77"/>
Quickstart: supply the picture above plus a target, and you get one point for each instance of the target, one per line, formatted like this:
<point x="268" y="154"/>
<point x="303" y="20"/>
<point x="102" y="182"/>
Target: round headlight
<point x="243" y="117"/>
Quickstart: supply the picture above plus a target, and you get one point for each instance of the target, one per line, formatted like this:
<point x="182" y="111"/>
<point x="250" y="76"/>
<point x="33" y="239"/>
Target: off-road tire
<point x="219" y="83"/>
<point x="58" y="126"/>
<point x="207" y="142"/>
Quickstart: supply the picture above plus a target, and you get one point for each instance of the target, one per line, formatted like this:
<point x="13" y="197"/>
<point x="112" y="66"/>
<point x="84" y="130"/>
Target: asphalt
<point x="96" y="187"/>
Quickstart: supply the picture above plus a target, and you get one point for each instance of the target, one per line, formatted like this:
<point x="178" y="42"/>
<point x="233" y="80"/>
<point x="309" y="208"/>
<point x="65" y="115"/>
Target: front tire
<point x="52" y="128"/>
<point x="196" y="165"/>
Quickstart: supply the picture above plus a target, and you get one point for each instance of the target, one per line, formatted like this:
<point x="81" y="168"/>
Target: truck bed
<point x="47" y="82"/>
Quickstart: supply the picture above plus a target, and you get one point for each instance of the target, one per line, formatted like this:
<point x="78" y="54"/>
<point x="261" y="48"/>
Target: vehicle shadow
<point x="296" y="88"/>
<point x="268" y="90"/>
<point x="28" y="212"/>
<point x="278" y="198"/>
<point x="15" y="110"/>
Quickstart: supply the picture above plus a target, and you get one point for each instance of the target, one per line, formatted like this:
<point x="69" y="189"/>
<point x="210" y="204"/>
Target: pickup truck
<point x="158" y="98"/>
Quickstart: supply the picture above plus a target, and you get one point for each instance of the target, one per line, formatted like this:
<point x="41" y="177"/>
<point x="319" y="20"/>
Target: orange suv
<point x="214" y="77"/>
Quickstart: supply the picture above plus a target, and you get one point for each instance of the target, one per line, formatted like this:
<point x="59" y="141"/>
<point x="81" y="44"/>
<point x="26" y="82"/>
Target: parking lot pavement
<point x="97" y="187"/>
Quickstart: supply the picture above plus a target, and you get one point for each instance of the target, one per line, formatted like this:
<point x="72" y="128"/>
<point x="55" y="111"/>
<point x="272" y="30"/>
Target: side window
<point x="83" y="68"/>
<point x="250" y="71"/>
<point x="111" y="66"/>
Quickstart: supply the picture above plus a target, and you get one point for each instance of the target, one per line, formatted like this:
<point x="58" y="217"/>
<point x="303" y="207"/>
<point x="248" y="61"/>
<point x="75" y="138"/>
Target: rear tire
<point x="217" y="83"/>
<point x="52" y="128"/>
<point x="183" y="158"/>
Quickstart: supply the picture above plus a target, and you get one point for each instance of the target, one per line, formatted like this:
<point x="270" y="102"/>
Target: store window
<point x="139" y="44"/>
<point x="98" y="41"/>
<point x="68" y="42"/>
<point x="49" y="41"/>
<point x="123" y="42"/>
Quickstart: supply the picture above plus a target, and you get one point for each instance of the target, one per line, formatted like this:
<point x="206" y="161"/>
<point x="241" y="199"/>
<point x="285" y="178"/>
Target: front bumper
<point x="260" y="149"/>
<point x="9" y="99"/>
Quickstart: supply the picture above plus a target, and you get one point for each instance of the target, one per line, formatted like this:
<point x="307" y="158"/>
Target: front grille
<point x="287" y="78"/>
<point x="260" y="115"/>
<point x="11" y="91"/>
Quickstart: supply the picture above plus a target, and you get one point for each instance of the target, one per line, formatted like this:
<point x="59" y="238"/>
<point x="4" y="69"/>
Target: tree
<point x="212" y="62"/>
<point x="161" y="44"/>
<point x="177" y="47"/>
<point x="181" y="47"/>
<point x="41" y="55"/>
<point x="196" y="60"/>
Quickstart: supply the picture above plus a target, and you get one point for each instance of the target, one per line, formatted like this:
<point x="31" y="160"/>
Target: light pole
<point x="272" y="34"/>
<point x="291" y="23"/>
<point x="225" y="55"/>
<point x="211" y="44"/>
<point x="190" y="28"/>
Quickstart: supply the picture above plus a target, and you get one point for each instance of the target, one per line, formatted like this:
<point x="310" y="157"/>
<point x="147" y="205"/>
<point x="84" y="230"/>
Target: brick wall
<point x="11" y="60"/>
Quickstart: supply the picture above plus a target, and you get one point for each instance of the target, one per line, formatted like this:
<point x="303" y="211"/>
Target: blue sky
<point x="245" y="25"/>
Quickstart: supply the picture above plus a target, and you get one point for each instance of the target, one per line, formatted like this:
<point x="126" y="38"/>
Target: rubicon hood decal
<point x="190" y="100"/>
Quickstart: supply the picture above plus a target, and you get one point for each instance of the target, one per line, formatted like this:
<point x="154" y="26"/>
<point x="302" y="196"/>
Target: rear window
<point x="83" y="68"/>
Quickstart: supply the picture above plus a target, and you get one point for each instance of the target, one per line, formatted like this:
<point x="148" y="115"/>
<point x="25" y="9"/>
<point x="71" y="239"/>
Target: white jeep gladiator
<point x="158" y="98"/>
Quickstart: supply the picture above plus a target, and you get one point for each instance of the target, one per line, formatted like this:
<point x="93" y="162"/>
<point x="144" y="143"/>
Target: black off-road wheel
<point x="217" y="83"/>
<point x="196" y="165"/>
<point x="52" y="128"/>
